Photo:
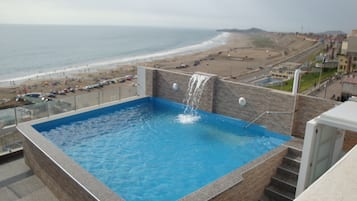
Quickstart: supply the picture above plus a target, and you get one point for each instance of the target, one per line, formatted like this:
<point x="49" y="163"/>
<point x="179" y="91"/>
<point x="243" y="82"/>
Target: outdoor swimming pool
<point x="142" y="151"/>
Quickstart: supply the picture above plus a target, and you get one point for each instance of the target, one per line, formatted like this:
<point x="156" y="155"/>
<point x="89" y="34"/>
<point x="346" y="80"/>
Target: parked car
<point x="129" y="77"/>
<point x="33" y="95"/>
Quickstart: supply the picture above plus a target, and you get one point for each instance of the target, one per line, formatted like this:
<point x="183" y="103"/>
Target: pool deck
<point x="18" y="183"/>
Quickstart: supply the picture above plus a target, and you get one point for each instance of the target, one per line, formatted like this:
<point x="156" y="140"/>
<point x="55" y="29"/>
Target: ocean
<point x="28" y="51"/>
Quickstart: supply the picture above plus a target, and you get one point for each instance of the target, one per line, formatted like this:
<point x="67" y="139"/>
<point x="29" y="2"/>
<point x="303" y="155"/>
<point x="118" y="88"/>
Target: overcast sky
<point x="272" y="15"/>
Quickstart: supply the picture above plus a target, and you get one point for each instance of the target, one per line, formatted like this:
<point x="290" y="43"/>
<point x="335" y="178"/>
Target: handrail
<point x="262" y="114"/>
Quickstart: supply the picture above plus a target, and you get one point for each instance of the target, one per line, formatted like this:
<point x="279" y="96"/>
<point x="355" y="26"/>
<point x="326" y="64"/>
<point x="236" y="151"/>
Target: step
<point x="282" y="184"/>
<point x="287" y="173"/>
<point x="294" y="154"/>
<point x="291" y="180"/>
<point x="277" y="194"/>
<point x="291" y="164"/>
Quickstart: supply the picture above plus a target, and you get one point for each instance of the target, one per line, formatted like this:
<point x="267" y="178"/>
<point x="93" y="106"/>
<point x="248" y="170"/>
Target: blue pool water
<point x="142" y="152"/>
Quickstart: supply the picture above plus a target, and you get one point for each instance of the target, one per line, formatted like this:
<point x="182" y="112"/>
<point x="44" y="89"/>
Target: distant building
<point x="352" y="53"/>
<point x="285" y="70"/>
<point x="347" y="60"/>
<point x="327" y="64"/>
<point x="349" y="88"/>
<point x="342" y="63"/>
<point x="354" y="32"/>
<point x="344" y="47"/>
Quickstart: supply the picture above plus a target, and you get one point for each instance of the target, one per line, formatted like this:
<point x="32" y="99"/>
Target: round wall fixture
<point x="242" y="101"/>
<point x="175" y="86"/>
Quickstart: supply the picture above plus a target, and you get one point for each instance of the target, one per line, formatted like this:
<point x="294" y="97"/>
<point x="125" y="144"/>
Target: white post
<point x="296" y="82"/>
<point x="308" y="148"/>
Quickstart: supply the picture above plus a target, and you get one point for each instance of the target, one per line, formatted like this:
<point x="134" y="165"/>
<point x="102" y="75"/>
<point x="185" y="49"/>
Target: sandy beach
<point x="241" y="55"/>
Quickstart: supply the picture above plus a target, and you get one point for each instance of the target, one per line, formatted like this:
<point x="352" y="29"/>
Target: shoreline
<point x="239" y="56"/>
<point x="74" y="69"/>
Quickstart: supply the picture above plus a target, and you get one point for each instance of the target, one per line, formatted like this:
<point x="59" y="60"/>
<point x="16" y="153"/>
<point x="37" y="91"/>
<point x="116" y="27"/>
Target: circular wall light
<point x="242" y="102"/>
<point x="175" y="86"/>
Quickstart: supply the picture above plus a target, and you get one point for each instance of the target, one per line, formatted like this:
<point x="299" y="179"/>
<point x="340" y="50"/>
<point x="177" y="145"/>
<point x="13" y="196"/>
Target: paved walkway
<point x="18" y="183"/>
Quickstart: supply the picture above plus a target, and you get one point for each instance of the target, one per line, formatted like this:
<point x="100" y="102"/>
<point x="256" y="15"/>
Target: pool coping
<point x="97" y="190"/>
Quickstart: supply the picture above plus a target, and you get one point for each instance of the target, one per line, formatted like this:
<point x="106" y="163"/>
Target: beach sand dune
<point x="243" y="53"/>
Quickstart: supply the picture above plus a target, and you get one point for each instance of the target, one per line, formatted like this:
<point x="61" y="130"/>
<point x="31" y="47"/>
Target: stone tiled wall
<point x="150" y="77"/>
<point x="64" y="188"/>
<point x="59" y="181"/>
<point x="307" y="108"/>
<point x="245" y="183"/>
<point x="258" y="101"/>
<point x="221" y="96"/>
<point x="255" y="179"/>
<point x="165" y="79"/>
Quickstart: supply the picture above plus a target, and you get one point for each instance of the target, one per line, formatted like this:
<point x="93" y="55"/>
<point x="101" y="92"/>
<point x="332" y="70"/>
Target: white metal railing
<point x="262" y="114"/>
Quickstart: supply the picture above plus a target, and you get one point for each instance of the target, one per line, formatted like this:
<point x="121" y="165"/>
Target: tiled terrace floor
<point x="18" y="183"/>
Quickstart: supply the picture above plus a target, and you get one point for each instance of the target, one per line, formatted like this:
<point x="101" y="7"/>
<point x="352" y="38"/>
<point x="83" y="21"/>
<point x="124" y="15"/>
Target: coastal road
<point x="300" y="57"/>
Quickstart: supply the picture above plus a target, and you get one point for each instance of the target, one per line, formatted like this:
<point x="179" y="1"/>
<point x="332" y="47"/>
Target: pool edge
<point x="78" y="184"/>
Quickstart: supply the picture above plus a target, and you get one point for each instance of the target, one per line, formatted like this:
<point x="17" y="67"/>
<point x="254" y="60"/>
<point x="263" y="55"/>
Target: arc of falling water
<point x="194" y="92"/>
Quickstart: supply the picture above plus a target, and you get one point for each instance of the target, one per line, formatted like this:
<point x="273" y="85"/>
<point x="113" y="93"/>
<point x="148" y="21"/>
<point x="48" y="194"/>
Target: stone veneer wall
<point x="259" y="100"/>
<point x="61" y="181"/>
<point x="55" y="179"/>
<point x="221" y="96"/>
<point x="245" y="183"/>
<point x="150" y="78"/>
<point x="255" y="180"/>
<point x="309" y="107"/>
<point x="165" y="79"/>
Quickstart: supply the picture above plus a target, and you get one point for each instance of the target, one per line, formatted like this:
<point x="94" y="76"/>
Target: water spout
<point x="193" y="95"/>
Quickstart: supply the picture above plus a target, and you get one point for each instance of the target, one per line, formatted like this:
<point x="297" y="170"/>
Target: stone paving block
<point x="12" y="169"/>
<point x="42" y="194"/>
<point x="26" y="186"/>
<point x="7" y="195"/>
